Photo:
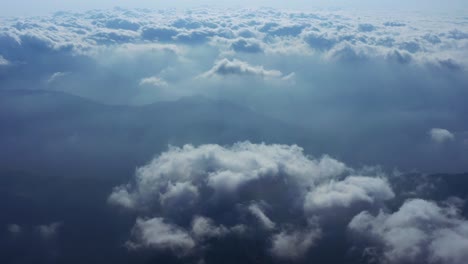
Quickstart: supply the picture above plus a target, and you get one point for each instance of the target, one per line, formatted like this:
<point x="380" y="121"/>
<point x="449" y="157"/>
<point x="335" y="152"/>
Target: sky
<point x="31" y="7"/>
<point x="301" y="132"/>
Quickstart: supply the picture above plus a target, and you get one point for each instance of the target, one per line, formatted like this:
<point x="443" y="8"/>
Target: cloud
<point x="156" y="233"/>
<point x="292" y="245"/>
<point x="245" y="45"/>
<point x="57" y="76"/>
<point x="108" y="56"/>
<point x="222" y="170"/>
<point x="204" y="228"/>
<point x="153" y="81"/>
<point x="14" y="229"/>
<point x="320" y="42"/>
<point x="440" y="135"/>
<point x="226" y="67"/>
<point x="277" y="187"/>
<point x="355" y="76"/>
<point x="49" y="231"/>
<point x="410" y="46"/>
<point x="420" y="231"/>
<point x="394" y="24"/>
<point x="344" y="193"/>
<point x="3" y="61"/>
<point x="119" y="23"/>
<point x="366" y="27"/>
<point x="262" y="218"/>
<point x="287" y="30"/>
<point x="162" y="34"/>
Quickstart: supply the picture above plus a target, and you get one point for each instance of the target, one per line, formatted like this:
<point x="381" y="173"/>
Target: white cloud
<point x="3" y="61"/>
<point x="121" y="197"/>
<point x="292" y="245"/>
<point x="268" y="31"/>
<point x="227" y="67"/>
<point x="203" y="227"/>
<point x="222" y="170"/>
<point x="420" y="231"/>
<point x="344" y="193"/>
<point x="261" y="216"/>
<point x="56" y="76"/>
<point x="153" y="81"/>
<point x="440" y="135"/>
<point x="156" y="233"/>
<point x="201" y="184"/>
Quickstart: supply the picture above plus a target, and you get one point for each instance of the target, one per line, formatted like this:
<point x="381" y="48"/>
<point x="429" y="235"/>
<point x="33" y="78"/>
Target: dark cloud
<point x="394" y="24"/>
<point x="194" y="37"/>
<point x="457" y="34"/>
<point x="366" y="27"/>
<point x="400" y="57"/>
<point x="434" y="39"/>
<point x="450" y="64"/>
<point x="319" y="41"/>
<point x="119" y="23"/>
<point x="243" y="45"/>
<point x="410" y="46"/>
<point x="160" y="34"/>
<point x="293" y="30"/>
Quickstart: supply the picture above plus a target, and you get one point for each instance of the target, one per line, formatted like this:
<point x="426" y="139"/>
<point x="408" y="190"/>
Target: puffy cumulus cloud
<point x="353" y="189"/>
<point x="206" y="193"/>
<point x="441" y="135"/>
<point x="420" y="231"/>
<point x="226" y="67"/>
<point x="224" y="170"/>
